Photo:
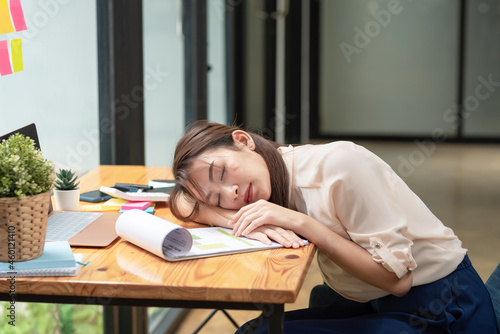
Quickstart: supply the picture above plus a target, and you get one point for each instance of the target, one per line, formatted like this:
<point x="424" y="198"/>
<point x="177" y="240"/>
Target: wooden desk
<point x="123" y="274"/>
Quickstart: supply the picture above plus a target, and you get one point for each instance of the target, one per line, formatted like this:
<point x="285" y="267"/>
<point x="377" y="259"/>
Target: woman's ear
<point x="242" y="138"/>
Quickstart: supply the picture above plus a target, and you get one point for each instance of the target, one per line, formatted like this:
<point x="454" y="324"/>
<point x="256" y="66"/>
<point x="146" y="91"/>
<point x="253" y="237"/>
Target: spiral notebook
<point x="57" y="260"/>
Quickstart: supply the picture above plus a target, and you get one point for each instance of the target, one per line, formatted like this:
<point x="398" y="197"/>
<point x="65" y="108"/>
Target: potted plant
<point x="66" y="192"/>
<point x="26" y="180"/>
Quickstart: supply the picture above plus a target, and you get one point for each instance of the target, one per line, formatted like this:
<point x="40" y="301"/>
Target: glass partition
<point x="482" y="70"/>
<point x="163" y="80"/>
<point x="57" y="90"/>
<point x="388" y="68"/>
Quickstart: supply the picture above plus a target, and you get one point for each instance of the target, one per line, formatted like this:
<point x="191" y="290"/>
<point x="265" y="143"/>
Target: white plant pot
<point x="67" y="200"/>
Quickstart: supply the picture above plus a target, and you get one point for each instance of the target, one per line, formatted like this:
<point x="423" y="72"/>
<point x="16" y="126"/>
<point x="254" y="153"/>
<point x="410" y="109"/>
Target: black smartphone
<point x="94" y="196"/>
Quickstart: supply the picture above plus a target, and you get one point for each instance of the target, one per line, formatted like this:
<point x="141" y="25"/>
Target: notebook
<point x="57" y="260"/>
<point x="66" y="271"/>
<point x="78" y="228"/>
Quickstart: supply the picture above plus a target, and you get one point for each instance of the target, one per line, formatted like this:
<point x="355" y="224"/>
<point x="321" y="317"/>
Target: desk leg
<point x="276" y="319"/>
<point x="125" y="320"/>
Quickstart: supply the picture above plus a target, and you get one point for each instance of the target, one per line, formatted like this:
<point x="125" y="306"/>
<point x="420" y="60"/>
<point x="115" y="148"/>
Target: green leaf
<point x="66" y="180"/>
<point x="23" y="170"/>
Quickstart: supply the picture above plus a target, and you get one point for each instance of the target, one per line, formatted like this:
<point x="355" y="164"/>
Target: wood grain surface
<point x="127" y="271"/>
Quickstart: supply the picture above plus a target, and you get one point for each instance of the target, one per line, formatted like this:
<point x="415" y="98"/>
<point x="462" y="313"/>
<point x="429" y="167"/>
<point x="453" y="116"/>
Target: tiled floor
<point x="461" y="185"/>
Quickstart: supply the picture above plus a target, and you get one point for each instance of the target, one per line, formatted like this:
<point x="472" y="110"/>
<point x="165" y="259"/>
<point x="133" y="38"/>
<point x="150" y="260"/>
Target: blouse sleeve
<point x="367" y="197"/>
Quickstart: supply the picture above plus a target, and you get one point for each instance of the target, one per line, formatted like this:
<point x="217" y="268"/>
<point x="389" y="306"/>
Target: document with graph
<point x="175" y="243"/>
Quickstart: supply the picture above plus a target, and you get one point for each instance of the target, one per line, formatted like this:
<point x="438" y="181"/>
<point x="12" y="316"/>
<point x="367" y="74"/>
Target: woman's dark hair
<point x="202" y="136"/>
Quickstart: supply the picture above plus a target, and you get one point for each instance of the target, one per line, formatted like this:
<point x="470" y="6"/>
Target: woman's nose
<point x="232" y="192"/>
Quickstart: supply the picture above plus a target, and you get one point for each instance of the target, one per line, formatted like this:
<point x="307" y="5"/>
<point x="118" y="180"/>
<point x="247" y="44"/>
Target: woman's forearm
<point x="208" y="215"/>
<point x="215" y="216"/>
<point x="353" y="258"/>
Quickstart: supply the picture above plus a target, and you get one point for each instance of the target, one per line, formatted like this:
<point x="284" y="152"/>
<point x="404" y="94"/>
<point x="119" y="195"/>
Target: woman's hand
<point x="267" y="233"/>
<point x="261" y="213"/>
<point x="219" y="217"/>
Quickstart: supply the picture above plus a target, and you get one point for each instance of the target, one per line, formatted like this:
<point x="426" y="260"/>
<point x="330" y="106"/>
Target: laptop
<point x="87" y="229"/>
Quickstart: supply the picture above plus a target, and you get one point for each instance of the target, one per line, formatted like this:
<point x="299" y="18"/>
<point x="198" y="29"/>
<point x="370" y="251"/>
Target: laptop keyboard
<point x="62" y="226"/>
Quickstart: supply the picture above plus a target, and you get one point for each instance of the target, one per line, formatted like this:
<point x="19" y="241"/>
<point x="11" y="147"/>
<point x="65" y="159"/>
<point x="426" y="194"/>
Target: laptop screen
<point x="28" y="131"/>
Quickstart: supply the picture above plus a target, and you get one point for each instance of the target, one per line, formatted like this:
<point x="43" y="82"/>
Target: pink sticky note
<point x="16" y="11"/>
<point x="5" y="67"/>
<point x="136" y="205"/>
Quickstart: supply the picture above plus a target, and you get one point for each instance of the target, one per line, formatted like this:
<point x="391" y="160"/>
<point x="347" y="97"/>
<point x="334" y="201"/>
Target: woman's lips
<point x="249" y="194"/>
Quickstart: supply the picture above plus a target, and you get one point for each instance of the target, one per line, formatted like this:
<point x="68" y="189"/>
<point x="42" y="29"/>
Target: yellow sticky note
<point x="99" y="208"/>
<point x="115" y="203"/>
<point x="16" y="47"/>
<point x="5" y="20"/>
<point x="92" y="207"/>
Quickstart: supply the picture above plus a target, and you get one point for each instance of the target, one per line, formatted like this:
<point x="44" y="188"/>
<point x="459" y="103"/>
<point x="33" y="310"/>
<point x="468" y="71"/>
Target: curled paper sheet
<point x="156" y="235"/>
<point x="176" y="243"/>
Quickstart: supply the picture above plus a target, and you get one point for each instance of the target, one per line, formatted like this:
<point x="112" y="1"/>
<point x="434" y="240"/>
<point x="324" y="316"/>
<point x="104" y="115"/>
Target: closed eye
<point x="221" y="177"/>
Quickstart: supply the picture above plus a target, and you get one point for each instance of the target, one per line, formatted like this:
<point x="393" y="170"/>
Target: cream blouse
<point x="358" y="196"/>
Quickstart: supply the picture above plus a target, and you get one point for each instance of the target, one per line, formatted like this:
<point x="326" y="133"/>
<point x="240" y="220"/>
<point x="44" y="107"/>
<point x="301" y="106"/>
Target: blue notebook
<point x="56" y="254"/>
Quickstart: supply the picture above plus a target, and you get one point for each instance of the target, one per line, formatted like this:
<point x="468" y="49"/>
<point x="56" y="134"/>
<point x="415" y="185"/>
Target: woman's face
<point x="230" y="178"/>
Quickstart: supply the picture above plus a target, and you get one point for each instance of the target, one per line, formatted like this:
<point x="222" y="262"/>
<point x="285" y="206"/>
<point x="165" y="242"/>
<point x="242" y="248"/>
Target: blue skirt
<point x="457" y="303"/>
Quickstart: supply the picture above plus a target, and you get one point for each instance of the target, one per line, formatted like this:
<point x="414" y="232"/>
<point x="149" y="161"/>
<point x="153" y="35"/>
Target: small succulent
<point x="66" y="180"/>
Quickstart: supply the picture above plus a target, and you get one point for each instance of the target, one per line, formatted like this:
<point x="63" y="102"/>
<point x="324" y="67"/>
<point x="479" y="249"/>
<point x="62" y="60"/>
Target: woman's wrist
<point x="306" y="226"/>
